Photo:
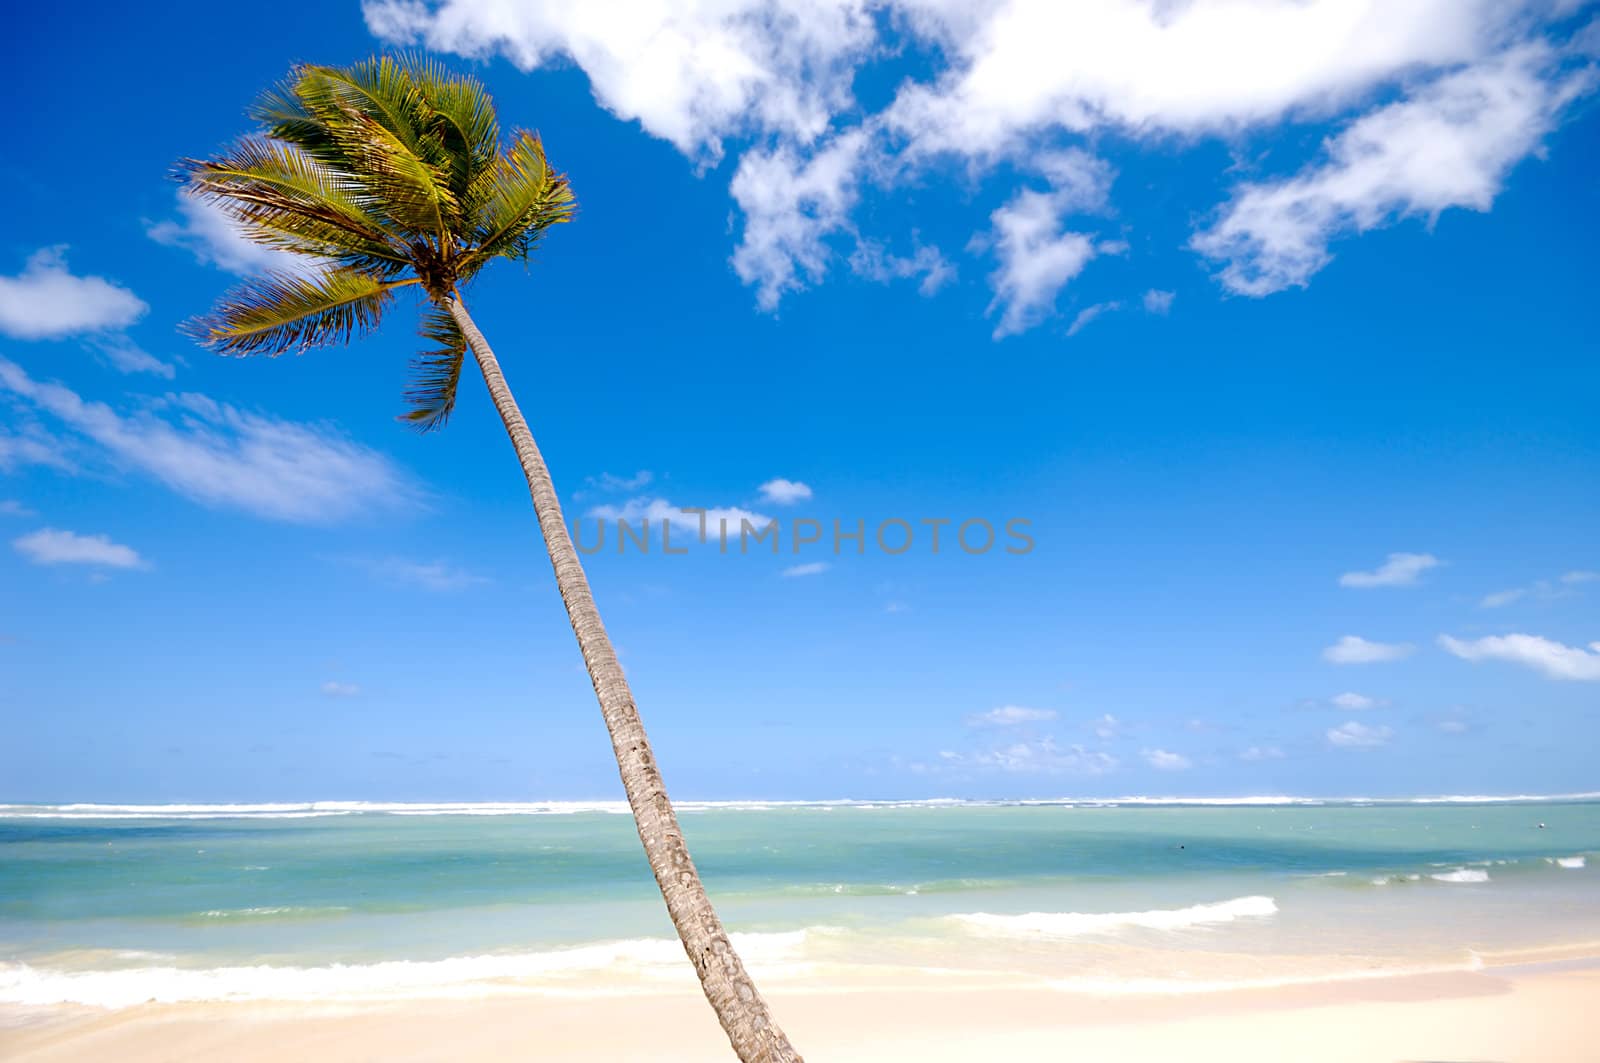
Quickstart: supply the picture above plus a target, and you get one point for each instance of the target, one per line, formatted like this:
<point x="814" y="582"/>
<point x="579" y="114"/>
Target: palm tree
<point x="391" y="175"/>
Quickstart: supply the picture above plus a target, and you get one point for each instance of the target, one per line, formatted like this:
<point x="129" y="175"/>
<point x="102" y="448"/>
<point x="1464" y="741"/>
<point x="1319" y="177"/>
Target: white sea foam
<point x="641" y="963"/>
<point x="1462" y="874"/>
<point x="1075" y="924"/>
<point x="1571" y="863"/>
<point x="270" y="911"/>
<point x="287" y="810"/>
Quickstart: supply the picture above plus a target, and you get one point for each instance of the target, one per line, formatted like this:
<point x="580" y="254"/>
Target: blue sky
<point x="1278" y="331"/>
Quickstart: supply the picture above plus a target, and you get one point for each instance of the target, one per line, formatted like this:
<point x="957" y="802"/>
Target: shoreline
<point x="1534" y="1013"/>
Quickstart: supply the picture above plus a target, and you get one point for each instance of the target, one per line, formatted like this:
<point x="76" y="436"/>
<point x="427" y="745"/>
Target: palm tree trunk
<point x="739" y="1007"/>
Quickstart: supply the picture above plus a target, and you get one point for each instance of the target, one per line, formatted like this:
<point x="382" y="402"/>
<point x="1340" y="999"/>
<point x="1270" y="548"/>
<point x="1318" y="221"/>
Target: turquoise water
<point x="116" y="905"/>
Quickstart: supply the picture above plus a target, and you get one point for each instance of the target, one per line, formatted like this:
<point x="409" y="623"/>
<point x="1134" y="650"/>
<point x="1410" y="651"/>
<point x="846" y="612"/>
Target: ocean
<point x="116" y="905"/>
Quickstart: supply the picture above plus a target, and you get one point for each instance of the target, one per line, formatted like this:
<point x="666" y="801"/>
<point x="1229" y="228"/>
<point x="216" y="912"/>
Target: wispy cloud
<point x="1043" y="757"/>
<point x="1036" y="253"/>
<point x="1400" y="570"/>
<point x="657" y="511"/>
<point x="1353" y="649"/>
<point x="1540" y="590"/>
<point x="47" y="301"/>
<point x="1165" y="760"/>
<point x="1258" y="753"/>
<point x="1157" y="301"/>
<point x="781" y="492"/>
<point x="125" y="356"/>
<point x="1353" y="702"/>
<point x="1353" y="735"/>
<point x="1106" y="727"/>
<point x="1010" y="716"/>
<point x="1485" y="119"/>
<point x="223" y="456"/>
<point x="810" y="568"/>
<point x="1546" y="656"/>
<point x="214" y="239"/>
<point x="333" y="688"/>
<point x="1088" y="314"/>
<point x="438" y="576"/>
<point x="611" y="482"/>
<point x="10" y="507"/>
<point x="54" y="546"/>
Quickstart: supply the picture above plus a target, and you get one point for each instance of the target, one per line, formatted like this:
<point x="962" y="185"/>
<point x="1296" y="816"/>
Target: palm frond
<point x="381" y="89"/>
<point x="463" y="120"/>
<point x="522" y="198"/>
<point x="435" y="374"/>
<point x="410" y="191"/>
<point x="284" y="197"/>
<point x="285" y="311"/>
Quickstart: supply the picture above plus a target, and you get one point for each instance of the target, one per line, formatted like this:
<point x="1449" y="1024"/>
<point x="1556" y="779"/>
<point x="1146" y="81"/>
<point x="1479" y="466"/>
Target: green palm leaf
<point x="287" y="199"/>
<point x="284" y="311"/>
<point x="464" y="122"/>
<point x="522" y="197"/>
<point x="435" y="374"/>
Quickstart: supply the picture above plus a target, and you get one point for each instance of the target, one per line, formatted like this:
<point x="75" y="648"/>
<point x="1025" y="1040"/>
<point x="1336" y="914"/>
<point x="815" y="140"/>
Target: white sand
<point x="1530" y="1015"/>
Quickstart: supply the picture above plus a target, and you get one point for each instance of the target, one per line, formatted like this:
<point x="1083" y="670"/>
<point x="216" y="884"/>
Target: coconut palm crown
<point x="384" y="175"/>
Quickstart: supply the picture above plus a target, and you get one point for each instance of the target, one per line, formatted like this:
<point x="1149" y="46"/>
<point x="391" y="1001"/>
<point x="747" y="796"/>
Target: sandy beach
<point x="1537" y="1014"/>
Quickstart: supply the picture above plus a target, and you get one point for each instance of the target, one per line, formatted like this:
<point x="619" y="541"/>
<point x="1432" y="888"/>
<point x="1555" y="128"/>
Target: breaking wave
<point x="1077" y="924"/>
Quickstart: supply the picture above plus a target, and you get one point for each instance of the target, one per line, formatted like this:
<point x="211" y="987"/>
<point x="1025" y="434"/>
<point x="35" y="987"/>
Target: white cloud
<point x="1354" y="702"/>
<point x="791" y="204"/>
<point x="1539" y="590"/>
<point x="1107" y="727"/>
<point x="810" y="568"/>
<point x="219" y="455"/>
<point x="1502" y="598"/>
<point x="1399" y="570"/>
<point x="1148" y="68"/>
<point x="718" y="520"/>
<point x="207" y="232"/>
<point x="1163" y="760"/>
<point x="30" y="444"/>
<point x="1037" y="254"/>
<point x="1043" y="757"/>
<point x="609" y="482"/>
<point x="781" y="492"/>
<point x="1449" y="144"/>
<point x="126" y="356"/>
<point x="48" y="301"/>
<point x="1554" y="659"/>
<point x="1353" y="735"/>
<point x="333" y="688"/>
<point x="1353" y="649"/>
<point x="1256" y="753"/>
<point x="439" y="576"/>
<point x="1440" y="99"/>
<point x="873" y="261"/>
<point x="691" y="73"/>
<point x="10" y="507"/>
<point x="1088" y="314"/>
<point x="1010" y="716"/>
<point x="1157" y="301"/>
<point x="52" y="546"/>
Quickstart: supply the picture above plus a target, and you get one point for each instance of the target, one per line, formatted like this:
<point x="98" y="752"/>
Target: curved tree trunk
<point x="739" y="1007"/>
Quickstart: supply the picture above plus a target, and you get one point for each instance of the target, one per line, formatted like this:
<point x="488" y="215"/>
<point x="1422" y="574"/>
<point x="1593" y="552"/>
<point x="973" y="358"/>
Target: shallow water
<point x="116" y="905"/>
